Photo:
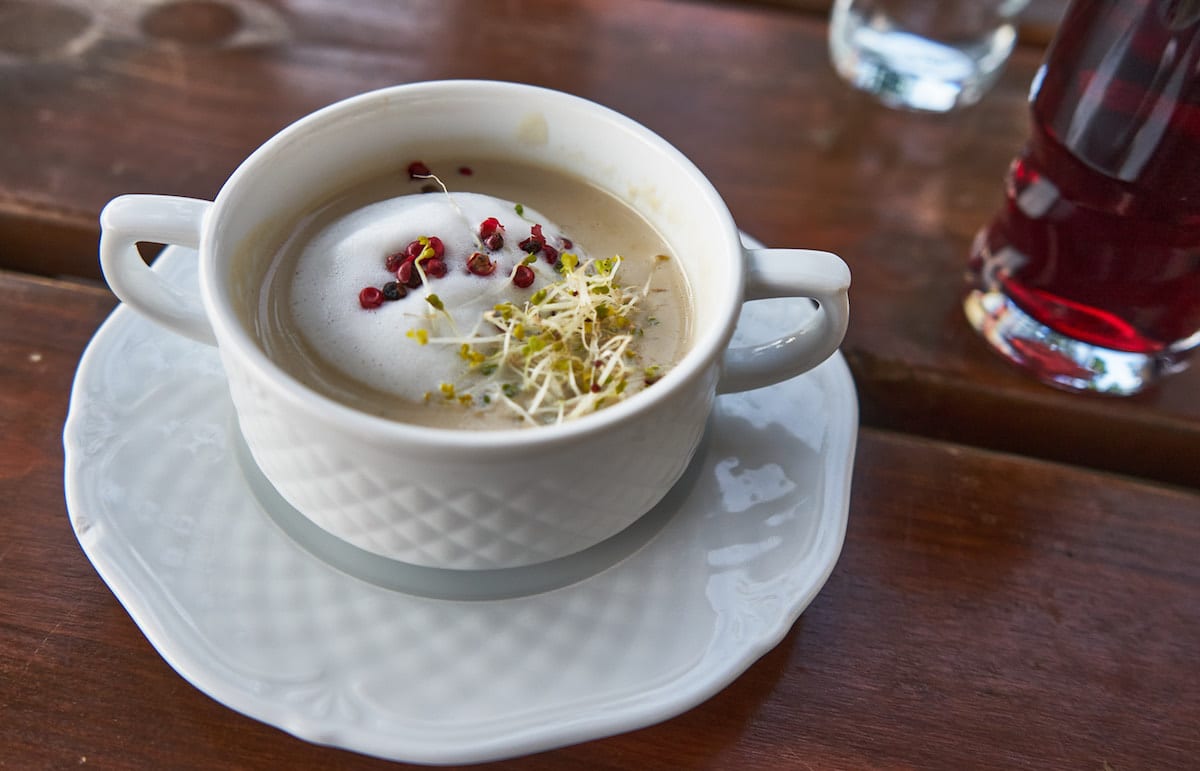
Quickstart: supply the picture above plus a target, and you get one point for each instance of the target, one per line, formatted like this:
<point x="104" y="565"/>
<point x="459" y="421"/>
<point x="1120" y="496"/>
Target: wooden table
<point x="1020" y="585"/>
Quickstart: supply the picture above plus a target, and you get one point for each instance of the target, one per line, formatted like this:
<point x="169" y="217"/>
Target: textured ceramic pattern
<point x="436" y="514"/>
<point x="163" y="510"/>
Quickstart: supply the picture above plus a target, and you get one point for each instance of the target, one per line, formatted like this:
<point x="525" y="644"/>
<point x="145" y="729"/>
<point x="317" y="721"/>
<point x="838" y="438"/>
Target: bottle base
<point x="1056" y="359"/>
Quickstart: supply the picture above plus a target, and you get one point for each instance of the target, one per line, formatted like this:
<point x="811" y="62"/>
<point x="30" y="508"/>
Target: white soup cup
<point x="459" y="499"/>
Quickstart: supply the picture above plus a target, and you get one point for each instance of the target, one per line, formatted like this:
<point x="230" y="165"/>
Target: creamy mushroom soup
<point x="474" y="293"/>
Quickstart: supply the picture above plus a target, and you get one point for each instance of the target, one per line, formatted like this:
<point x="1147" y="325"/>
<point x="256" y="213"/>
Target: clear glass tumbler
<point x="926" y="55"/>
<point x="1089" y="275"/>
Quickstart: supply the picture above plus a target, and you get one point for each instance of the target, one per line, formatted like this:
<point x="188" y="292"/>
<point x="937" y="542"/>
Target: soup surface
<point x="474" y="293"/>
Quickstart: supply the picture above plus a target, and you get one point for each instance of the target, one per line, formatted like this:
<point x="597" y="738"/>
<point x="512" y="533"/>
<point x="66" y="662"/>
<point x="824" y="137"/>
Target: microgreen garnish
<point x="563" y="353"/>
<point x="566" y="350"/>
<point x="445" y="191"/>
<point x="436" y="303"/>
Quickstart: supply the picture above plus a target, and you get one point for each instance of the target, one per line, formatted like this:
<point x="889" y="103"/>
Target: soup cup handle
<point x="821" y="276"/>
<point x="158" y="219"/>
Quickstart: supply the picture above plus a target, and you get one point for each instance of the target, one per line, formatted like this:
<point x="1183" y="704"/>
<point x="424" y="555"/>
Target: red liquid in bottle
<point x="1099" y="239"/>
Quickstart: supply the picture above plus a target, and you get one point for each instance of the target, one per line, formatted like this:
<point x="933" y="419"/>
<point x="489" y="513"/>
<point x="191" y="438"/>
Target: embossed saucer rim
<point x="728" y="654"/>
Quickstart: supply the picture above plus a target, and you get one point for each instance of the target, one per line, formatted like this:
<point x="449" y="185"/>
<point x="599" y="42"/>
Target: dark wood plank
<point x="988" y="611"/>
<point x="170" y="102"/>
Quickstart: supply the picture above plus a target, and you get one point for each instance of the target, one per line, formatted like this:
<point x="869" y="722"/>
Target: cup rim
<point x="232" y="337"/>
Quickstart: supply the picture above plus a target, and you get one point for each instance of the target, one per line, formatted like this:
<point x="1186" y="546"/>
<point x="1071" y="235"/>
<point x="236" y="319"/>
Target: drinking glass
<point x="1089" y="275"/>
<point x="926" y="55"/>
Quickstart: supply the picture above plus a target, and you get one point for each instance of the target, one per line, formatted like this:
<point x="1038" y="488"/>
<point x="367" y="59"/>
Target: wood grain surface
<point x="168" y="97"/>
<point x="988" y="611"/>
<point x="1019" y="587"/>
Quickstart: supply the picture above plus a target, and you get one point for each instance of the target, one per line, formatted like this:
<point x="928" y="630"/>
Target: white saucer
<point x="211" y="571"/>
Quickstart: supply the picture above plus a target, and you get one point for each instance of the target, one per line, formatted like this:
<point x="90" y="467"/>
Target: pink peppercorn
<point x="393" y="291"/>
<point x="480" y="264"/>
<point x="408" y="275"/>
<point x="535" y="242"/>
<point x="489" y="226"/>
<point x="523" y="276"/>
<point x="413" y="250"/>
<point x="434" y="268"/>
<point x="492" y="233"/>
<point x="370" y="297"/>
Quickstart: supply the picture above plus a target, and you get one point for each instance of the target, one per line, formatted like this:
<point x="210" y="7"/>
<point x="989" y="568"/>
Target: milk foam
<point x="373" y="346"/>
